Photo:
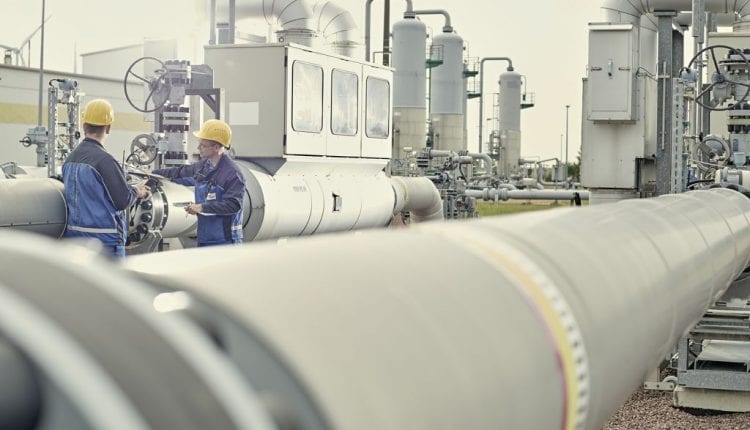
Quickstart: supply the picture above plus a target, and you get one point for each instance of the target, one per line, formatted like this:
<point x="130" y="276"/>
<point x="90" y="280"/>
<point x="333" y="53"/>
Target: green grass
<point x="509" y="208"/>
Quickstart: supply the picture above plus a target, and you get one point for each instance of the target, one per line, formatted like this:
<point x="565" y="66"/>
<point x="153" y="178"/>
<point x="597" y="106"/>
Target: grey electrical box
<point x="613" y="53"/>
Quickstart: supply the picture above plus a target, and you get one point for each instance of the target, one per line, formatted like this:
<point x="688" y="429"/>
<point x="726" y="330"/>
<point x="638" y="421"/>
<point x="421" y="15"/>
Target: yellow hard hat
<point x="98" y="112"/>
<point x="216" y="130"/>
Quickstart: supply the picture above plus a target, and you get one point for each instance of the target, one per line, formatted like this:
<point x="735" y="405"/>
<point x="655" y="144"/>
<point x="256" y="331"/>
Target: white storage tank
<point x="409" y="86"/>
<point x="447" y="93"/>
<point x="510" y="122"/>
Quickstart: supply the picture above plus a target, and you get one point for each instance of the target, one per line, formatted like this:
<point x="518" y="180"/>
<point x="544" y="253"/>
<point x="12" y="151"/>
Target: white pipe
<point x="95" y="383"/>
<point x="629" y="11"/>
<point x="418" y="196"/>
<point x="33" y="204"/>
<point x="490" y="194"/>
<point x="441" y="153"/>
<point x="554" y="299"/>
<point x="288" y="14"/>
<point x="485" y="159"/>
<point x="298" y="204"/>
<point x="447" y="28"/>
<point x="337" y="25"/>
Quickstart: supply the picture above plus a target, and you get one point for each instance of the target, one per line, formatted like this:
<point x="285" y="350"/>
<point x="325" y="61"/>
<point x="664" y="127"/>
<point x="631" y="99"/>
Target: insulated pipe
<point x="447" y="28"/>
<point x="418" y="196"/>
<point x="544" y="183"/>
<point x="486" y="194"/>
<point x="462" y="157"/>
<point x="289" y="14"/>
<point x="295" y="204"/>
<point x="539" y="171"/>
<point x="92" y="331"/>
<point x="490" y="194"/>
<point x="295" y="15"/>
<point x="481" y="88"/>
<point x="337" y="25"/>
<point x="628" y="11"/>
<point x="332" y="199"/>
<point x="440" y="153"/>
<point x="20" y="396"/>
<point x="33" y="204"/>
<point x="485" y="159"/>
<point x="555" y="298"/>
<point x="687" y="19"/>
<point x="486" y="178"/>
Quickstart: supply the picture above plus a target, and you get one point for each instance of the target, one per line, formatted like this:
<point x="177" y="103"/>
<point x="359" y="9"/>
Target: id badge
<point x="211" y="196"/>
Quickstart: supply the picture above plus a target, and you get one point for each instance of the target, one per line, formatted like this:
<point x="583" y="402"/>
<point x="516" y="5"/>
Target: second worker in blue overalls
<point x="219" y="186"/>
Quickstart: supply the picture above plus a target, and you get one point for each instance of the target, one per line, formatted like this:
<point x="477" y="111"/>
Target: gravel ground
<point x="648" y="410"/>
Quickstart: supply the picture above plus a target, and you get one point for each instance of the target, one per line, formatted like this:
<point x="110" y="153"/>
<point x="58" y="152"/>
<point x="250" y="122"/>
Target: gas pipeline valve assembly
<point x="313" y="160"/>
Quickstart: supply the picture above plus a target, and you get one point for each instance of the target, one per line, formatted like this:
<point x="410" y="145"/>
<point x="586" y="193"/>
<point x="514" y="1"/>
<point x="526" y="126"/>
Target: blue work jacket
<point x="97" y="196"/>
<point x="220" y="190"/>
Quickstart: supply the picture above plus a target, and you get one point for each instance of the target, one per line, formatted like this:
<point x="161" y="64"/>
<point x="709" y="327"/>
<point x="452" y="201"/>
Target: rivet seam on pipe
<point x="544" y="296"/>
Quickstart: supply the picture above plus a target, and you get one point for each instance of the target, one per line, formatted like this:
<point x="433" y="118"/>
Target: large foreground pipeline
<point x="541" y="321"/>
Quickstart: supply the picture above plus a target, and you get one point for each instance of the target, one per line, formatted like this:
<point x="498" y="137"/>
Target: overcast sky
<point x="546" y="39"/>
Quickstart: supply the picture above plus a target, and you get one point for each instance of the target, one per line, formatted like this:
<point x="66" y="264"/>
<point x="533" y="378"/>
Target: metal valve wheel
<point x="721" y="77"/>
<point x="158" y="86"/>
<point x="143" y="149"/>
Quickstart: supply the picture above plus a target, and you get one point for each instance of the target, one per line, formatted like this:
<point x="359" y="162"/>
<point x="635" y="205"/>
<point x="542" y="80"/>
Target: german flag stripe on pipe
<point x="550" y="305"/>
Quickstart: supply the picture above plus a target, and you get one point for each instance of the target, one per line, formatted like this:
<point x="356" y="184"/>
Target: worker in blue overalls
<point x="219" y="186"/>
<point x="97" y="194"/>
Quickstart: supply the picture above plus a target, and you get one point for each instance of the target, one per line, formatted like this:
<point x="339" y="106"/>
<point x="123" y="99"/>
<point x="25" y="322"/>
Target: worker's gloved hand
<point x="142" y="190"/>
<point x="194" y="208"/>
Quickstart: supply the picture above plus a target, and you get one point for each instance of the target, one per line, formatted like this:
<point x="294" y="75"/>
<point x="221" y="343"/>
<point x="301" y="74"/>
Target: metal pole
<point x="232" y="23"/>
<point x="567" y="110"/>
<point x="212" y="24"/>
<point x="664" y="150"/>
<point x="368" y="7"/>
<point x="41" y="70"/>
<point x="51" y="132"/>
<point x="697" y="25"/>
<point x="386" y="32"/>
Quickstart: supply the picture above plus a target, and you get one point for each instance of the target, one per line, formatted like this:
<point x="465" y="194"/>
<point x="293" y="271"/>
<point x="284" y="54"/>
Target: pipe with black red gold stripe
<point x="546" y="320"/>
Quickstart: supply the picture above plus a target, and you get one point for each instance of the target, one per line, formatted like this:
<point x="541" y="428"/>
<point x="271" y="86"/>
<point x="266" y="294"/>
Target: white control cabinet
<point x="613" y="53"/>
<point x="286" y="99"/>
